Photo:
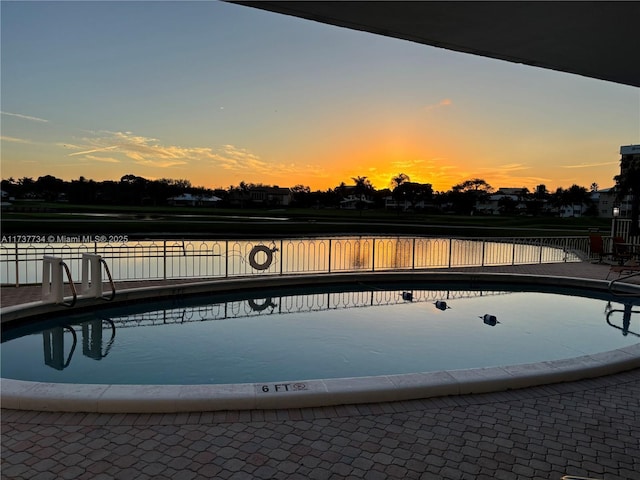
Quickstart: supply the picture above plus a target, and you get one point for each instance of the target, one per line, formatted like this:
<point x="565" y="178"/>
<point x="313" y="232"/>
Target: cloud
<point x="102" y="159"/>
<point x="510" y="175"/>
<point x="231" y="157"/>
<point x="509" y="167"/>
<point x="445" y="102"/>
<point x="151" y="152"/>
<point x="25" y="117"/>
<point x="589" y="165"/>
<point x="408" y="164"/>
<point x="86" y="152"/>
<point x="14" y="139"/>
<point x="142" y="150"/>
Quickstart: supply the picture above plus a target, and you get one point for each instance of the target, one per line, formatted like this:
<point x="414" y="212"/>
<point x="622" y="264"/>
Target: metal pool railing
<point x="21" y="263"/>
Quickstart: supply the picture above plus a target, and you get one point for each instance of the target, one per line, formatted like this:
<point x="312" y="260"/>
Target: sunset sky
<point x="219" y="93"/>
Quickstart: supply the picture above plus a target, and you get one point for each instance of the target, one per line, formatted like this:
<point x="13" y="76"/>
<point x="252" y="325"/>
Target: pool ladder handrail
<point x="620" y="279"/>
<point x="627" y="331"/>
<point x="71" y="285"/>
<point x="111" y="284"/>
<point x="48" y="360"/>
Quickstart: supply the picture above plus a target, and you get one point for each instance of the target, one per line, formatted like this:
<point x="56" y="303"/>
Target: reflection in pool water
<point x="286" y="336"/>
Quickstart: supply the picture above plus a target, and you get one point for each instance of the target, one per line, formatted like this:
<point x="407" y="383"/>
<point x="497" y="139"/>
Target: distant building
<point x="189" y="200"/>
<point x="495" y="204"/>
<point x="410" y="196"/>
<point x="353" y="202"/>
<point x="260" y="196"/>
<point x="606" y="200"/>
<point x="629" y="156"/>
<point x="274" y="196"/>
<point x="4" y="202"/>
<point x="630" y="168"/>
<point x="573" y="210"/>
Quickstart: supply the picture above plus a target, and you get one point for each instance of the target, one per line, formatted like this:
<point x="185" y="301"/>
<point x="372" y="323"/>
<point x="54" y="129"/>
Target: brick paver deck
<point x="589" y="428"/>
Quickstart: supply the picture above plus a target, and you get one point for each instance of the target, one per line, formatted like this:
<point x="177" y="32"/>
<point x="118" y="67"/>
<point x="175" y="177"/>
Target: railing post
<point x="541" y="247"/>
<point x="17" y="266"/>
<point x="413" y="254"/>
<point x="281" y="255"/>
<point x="450" y="250"/>
<point x="513" y="251"/>
<point x="483" y="252"/>
<point x="373" y="256"/>
<point x="329" y="271"/>
<point x="226" y="260"/>
<point x="164" y="259"/>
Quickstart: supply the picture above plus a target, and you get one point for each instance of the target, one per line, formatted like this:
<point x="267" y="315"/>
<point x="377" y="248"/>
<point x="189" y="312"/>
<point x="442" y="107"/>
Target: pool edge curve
<point x="26" y="395"/>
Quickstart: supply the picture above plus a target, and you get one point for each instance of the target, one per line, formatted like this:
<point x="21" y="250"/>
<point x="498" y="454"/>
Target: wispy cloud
<point x="14" y="139"/>
<point x="589" y="165"/>
<point x="86" y="152"/>
<point x="506" y="168"/>
<point x="142" y="150"/>
<point x="151" y="152"/>
<point x="509" y="175"/>
<point x="24" y="117"/>
<point x="231" y="157"/>
<point x="96" y="158"/>
<point x="445" y="102"/>
<point x="409" y="164"/>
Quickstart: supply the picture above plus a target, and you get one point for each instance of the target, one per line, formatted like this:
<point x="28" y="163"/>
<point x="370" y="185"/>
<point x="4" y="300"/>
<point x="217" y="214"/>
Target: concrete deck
<point x="588" y="428"/>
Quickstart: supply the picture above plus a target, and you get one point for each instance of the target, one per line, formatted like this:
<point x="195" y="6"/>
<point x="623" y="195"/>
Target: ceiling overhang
<point x="596" y="39"/>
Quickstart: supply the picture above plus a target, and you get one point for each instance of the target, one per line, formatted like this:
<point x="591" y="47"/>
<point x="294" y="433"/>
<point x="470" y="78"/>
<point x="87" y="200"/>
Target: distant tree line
<point x="403" y="194"/>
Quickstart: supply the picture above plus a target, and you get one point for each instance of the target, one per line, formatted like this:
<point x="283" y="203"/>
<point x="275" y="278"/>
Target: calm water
<point x="318" y="334"/>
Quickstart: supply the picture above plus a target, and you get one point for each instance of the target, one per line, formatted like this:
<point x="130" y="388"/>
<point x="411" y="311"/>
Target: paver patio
<point x="589" y="428"/>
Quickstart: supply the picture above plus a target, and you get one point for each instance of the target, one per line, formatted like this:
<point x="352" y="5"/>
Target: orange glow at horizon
<point x="441" y="164"/>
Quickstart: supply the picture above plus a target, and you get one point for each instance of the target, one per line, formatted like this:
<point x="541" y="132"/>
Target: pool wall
<point x="18" y="394"/>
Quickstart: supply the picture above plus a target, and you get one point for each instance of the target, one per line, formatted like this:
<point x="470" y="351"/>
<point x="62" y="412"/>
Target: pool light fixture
<point x="441" y="305"/>
<point x="489" y="320"/>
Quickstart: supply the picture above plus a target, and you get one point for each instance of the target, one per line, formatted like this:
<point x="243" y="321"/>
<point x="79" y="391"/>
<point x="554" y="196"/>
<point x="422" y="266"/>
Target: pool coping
<point x="98" y="398"/>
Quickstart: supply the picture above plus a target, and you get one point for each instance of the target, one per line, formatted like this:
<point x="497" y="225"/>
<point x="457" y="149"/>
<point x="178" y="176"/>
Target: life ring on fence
<point x="252" y="257"/>
<point x="258" y="307"/>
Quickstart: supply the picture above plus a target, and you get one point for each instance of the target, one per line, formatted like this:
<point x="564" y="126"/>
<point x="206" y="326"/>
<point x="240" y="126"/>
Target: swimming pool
<point x="382" y="331"/>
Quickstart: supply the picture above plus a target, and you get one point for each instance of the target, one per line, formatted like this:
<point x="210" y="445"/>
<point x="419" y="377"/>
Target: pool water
<point x="289" y="336"/>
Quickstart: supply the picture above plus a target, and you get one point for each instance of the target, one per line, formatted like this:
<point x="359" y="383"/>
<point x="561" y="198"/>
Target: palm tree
<point x="362" y="189"/>
<point x="399" y="180"/>
<point x="363" y="185"/>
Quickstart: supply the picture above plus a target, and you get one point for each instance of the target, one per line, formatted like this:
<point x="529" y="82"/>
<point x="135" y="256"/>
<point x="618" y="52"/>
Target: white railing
<point x="21" y="263"/>
<point x="621" y="227"/>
